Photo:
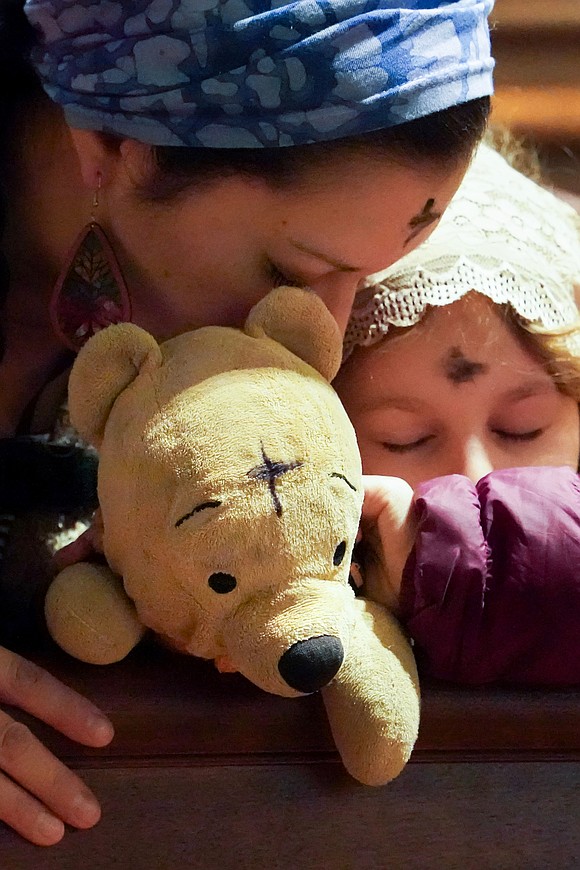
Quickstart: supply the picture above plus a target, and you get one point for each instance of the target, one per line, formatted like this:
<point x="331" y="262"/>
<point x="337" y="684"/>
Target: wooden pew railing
<point x="208" y="772"/>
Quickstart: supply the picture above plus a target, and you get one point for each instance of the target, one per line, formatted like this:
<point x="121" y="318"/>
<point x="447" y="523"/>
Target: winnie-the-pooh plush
<point x="230" y="488"/>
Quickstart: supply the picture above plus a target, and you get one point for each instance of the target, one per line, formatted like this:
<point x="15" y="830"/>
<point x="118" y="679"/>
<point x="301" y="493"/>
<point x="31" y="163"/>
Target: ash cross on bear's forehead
<point x="270" y="470"/>
<point x="460" y="370"/>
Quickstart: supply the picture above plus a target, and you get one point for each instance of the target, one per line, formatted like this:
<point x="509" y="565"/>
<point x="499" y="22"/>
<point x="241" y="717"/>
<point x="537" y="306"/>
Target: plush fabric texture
<point x="258" y="73"/>
<point x="230" y="487"/>
<point x="491" y="591"/>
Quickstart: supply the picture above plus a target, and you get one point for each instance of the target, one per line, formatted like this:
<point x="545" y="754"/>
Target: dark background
<point x="536" y="44"/>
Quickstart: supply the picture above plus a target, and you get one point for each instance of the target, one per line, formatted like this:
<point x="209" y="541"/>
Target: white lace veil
<point x="502" y="235"/>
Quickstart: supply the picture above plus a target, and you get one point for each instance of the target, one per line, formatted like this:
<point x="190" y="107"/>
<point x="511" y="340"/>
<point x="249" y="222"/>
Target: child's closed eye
<point x="531" y="435"/>
<point x="408" y="446"/>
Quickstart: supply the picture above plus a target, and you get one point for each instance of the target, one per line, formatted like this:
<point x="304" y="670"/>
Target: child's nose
<point x="476" y="461"/>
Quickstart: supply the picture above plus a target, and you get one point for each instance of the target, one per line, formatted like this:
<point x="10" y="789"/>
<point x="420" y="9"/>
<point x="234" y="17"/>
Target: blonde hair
<point x="558" y="350"/>
<point x="518" y="152"/>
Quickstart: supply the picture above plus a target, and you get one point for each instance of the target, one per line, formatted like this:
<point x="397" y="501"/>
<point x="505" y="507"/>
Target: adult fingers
<point x="27" y="816"/>
<point x="35" y="773"/>
<point x="78" y="550"/>
<point x="23" y="684"/>
<point x="82" y="548"/>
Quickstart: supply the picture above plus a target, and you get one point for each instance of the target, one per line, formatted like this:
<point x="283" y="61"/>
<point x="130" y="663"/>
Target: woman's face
<point x="213" y="252"/>
<point x="456" y="394"/>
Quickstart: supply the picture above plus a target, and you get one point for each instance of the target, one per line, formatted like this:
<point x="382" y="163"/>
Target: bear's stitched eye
<point x="222" y="583"/>
<point x="339" y="553"/>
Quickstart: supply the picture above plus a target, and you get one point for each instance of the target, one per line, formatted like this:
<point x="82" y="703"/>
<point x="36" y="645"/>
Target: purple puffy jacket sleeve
<point x="491" y="590"/>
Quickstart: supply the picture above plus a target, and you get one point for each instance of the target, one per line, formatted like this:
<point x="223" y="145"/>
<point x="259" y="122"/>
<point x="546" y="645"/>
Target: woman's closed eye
<point x="279" y="278"/>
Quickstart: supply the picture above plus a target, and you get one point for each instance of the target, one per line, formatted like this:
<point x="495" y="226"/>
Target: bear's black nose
<point x="309" y="665"/>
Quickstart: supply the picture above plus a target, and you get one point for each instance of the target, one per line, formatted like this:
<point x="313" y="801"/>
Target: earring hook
<point x="96" y="193"/>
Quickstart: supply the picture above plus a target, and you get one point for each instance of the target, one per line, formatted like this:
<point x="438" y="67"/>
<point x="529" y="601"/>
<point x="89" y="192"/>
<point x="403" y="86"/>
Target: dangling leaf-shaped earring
<point x="90" y="293"/>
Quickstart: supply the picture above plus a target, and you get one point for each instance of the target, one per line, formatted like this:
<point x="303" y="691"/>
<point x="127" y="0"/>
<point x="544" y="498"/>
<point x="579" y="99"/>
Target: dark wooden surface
<point x="208" y="772"/>
<point x="178" y="709"/>
<point x="309" y="816"/>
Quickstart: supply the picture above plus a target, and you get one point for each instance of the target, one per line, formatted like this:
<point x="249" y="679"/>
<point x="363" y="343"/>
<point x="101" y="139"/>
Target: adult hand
<point x="38" y="793"/>
<point x="388" y="528"/>
<point x="84" y="548"/>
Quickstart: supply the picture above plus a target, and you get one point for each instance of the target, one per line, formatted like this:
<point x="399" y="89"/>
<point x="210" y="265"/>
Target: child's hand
<point x="389" y="530"/>
<point x="38" y="794"/>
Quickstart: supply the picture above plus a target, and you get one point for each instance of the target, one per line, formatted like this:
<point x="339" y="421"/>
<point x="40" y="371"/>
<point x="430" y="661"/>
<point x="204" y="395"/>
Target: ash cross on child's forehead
<point x="460" y="370"/>
<point x="422" y="220"/>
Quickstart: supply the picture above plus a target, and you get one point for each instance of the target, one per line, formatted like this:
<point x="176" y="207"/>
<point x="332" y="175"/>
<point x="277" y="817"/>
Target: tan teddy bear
<point x="230" y="488"/>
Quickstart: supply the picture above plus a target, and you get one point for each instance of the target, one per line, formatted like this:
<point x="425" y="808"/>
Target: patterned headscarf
<point x="258" y="73"/>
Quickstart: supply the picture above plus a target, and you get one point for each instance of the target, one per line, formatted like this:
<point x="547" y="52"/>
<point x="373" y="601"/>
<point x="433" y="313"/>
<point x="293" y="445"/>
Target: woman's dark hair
<point x="443" y="138"/>
<point x="18" y="85"/>
<point x="16" y="38"/>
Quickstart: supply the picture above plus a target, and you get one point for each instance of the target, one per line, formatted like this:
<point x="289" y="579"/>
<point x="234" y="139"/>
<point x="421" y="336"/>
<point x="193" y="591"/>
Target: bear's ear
<point x="105" y="366"/>
<point x="300" y="321"/>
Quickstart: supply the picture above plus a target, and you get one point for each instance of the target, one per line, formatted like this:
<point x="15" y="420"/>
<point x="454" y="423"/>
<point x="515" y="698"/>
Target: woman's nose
<point x="337" y="291"/>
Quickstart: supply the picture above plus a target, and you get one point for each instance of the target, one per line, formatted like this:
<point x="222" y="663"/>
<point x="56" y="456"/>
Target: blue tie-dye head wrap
<point x="258" y="73"/>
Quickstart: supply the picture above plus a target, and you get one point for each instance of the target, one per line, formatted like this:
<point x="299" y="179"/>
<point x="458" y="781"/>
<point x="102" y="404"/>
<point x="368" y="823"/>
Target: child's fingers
<point x="29" y="687"/>
<point x="381" y="492"/>
<point x="387" y="521"/>
<point x="35" y="772"/>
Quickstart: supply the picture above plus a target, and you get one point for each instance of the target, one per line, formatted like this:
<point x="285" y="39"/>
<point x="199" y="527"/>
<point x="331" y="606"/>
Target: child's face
<point x="457" y="394"/>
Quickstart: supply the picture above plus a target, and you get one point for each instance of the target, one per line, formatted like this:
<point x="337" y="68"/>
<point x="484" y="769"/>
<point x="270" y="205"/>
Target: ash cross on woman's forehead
<point x="418" y="223"/>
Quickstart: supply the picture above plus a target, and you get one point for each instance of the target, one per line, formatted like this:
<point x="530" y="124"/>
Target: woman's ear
<point x="137" y="158"/>
<point x="104" y="159"/>
<point x="99" y="157"/>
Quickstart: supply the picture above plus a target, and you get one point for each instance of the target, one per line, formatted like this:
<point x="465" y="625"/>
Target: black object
<point x="310" y="664"/>
<point x="39" y="475"/>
